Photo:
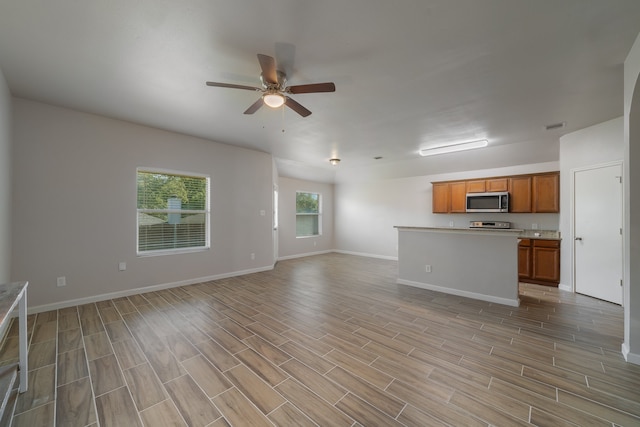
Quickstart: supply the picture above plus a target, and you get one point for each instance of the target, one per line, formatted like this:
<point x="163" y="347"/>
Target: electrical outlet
<point x="253" y="256"/>
<point x="534" y="226"/>
<point x="451" y="223"/>
<point x="428" y="268"/>
<point x="122" y="266"/>
<point x="62" y="281"/>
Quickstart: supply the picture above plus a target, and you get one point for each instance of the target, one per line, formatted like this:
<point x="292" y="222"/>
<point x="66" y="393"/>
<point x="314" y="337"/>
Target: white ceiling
<point x="409" y="73"/>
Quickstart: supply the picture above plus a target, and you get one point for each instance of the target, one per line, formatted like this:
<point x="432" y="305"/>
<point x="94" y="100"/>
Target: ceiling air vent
<point x="555" y="126"/>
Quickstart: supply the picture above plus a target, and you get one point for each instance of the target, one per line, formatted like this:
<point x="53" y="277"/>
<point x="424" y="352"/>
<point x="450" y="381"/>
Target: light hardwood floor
<point x="328" y="340"/>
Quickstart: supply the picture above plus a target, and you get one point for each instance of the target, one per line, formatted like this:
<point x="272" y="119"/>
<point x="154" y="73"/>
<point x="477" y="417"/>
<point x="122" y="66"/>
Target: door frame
<point x="572" y="213"/>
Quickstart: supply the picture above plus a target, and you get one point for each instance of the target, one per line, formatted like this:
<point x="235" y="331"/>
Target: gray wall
<point x="5" y="180"/>
<point x="289" y="246"/>
<point x="75" y="205"/>
<point x="595" y="145"/>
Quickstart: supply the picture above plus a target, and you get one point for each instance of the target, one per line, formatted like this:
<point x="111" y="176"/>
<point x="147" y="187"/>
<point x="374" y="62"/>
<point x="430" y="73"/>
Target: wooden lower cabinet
<point x="524" y="259"/>
<point x="539" y="261"/>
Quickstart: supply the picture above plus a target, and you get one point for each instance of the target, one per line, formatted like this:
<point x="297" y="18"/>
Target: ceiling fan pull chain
<point x="282" y="118"/>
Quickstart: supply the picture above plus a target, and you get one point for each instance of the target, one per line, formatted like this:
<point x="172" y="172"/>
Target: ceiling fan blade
<point x="232" y="86"/>
<point x="312" y="88"/>
<point x="268" y="65"/>
<point x="297" y="107"/>
<point x="255" y="106"/>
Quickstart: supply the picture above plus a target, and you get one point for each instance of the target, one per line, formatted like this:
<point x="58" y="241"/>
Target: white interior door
<point x="598" y="232"/>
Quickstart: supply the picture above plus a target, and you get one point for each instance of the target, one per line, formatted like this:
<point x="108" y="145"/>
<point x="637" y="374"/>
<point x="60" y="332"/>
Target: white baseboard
<point x="461" y="293"/>
<point x="282" y="258"/>
<point x="628" y="356"/>
<point x="564" y="287"/>
<point x="390" y="258"/>
<point x="127" y="292"/>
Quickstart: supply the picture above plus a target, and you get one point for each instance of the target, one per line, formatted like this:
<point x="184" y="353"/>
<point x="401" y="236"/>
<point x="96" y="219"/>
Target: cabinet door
<point x="520" y="194"/>
<point x="546" y="264"/>
<point x="546" y="193"/>
<point x="440" y="198"/>
<point x="497" y="184"/>
<point x="458" y="197"/>
<point x="524" y="260"/>
<point x="546" y="260"/>
<point x="477" y="186"/>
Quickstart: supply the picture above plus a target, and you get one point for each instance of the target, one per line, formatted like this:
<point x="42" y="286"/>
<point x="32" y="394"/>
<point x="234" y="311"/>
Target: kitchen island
<point x="469" y="262"/>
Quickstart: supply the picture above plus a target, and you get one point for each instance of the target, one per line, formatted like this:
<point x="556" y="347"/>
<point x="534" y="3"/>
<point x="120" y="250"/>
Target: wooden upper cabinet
<point x="546" y="193"/>
<point x="527" y="193"/>
<point x="488" y="185"/>
<point x="497" y="184"/>
<point x="440" y="198"/>
<point x="458" y="197"/>
<point x="477" y="186"/>
<point x="520" y="194"/>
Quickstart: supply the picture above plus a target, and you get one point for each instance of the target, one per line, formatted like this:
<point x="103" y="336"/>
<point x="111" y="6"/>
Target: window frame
<point x="319" y="214"/>
<point x="206" y="211"/>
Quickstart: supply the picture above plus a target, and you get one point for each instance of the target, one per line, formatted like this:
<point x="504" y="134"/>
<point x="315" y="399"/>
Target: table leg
<point x="23" y="342"/>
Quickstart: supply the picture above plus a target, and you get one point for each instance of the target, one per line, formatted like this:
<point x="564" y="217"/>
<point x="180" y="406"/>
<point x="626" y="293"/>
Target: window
<point x="308" y="211"/>
<point x="173" y="212"/>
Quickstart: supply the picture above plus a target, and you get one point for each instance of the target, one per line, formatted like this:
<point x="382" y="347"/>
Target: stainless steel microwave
<point x="488" y="202"/>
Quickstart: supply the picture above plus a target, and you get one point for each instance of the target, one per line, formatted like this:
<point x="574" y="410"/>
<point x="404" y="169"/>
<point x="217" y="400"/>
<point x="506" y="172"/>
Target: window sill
<point x="164" y="252"/>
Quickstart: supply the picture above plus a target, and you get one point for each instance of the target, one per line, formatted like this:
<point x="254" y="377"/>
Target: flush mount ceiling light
<point x="450" y="148"/>
<point x="334" y="161"/>
<point x="273" y="100"/>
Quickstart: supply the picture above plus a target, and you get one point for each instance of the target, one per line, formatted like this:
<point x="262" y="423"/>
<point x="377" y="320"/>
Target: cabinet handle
<point x="579" y="238"/>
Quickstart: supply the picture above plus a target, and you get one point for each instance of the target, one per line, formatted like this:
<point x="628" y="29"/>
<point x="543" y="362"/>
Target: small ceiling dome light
<point x="334" y="161"/>
<point x="273" y="100"/>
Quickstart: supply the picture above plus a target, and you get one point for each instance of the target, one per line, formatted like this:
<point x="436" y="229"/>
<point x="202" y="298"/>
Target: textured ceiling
<point x="409" y="74"/>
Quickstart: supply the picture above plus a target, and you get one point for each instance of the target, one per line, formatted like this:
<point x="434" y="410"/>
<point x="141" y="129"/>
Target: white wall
<point x="75" y="204"/>
<point x="5" y="180"/>
<point x="366" y="212"/>
<point x="631" y="345"/>
<point x="289" y="246"/>
<point x="595" y="145"/>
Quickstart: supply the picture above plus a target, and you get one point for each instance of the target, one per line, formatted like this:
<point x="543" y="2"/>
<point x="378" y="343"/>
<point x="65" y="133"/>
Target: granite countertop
<point x="541" y="234"/>
<point x="523" y="234"/>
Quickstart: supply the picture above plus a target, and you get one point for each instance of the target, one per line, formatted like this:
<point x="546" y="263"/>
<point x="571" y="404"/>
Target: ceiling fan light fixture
<point x="334" y="161"/>
<point x="451" y="148"/>
<point x="273" y="100"/>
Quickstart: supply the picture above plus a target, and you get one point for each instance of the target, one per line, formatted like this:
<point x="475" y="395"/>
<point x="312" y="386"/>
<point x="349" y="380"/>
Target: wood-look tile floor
<point x="328" y="340"/>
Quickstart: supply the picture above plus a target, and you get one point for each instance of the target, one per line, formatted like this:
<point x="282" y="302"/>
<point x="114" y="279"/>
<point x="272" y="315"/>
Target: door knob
<point x="579" y="238"/>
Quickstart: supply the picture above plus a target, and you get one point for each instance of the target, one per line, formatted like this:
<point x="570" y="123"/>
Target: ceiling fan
<point x="274" y="89"/>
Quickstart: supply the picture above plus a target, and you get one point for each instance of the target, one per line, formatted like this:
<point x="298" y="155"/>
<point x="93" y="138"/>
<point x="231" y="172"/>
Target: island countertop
<point x="510" y="231"/>
<point x="518" y="232"/>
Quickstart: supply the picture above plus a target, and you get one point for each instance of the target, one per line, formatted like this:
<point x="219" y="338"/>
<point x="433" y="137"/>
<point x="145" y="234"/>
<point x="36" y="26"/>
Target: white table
<point x="13" y="294"/>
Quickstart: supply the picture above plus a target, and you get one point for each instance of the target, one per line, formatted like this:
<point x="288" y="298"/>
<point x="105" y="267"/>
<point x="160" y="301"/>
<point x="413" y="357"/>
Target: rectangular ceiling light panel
<point x="450" y="148"/>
